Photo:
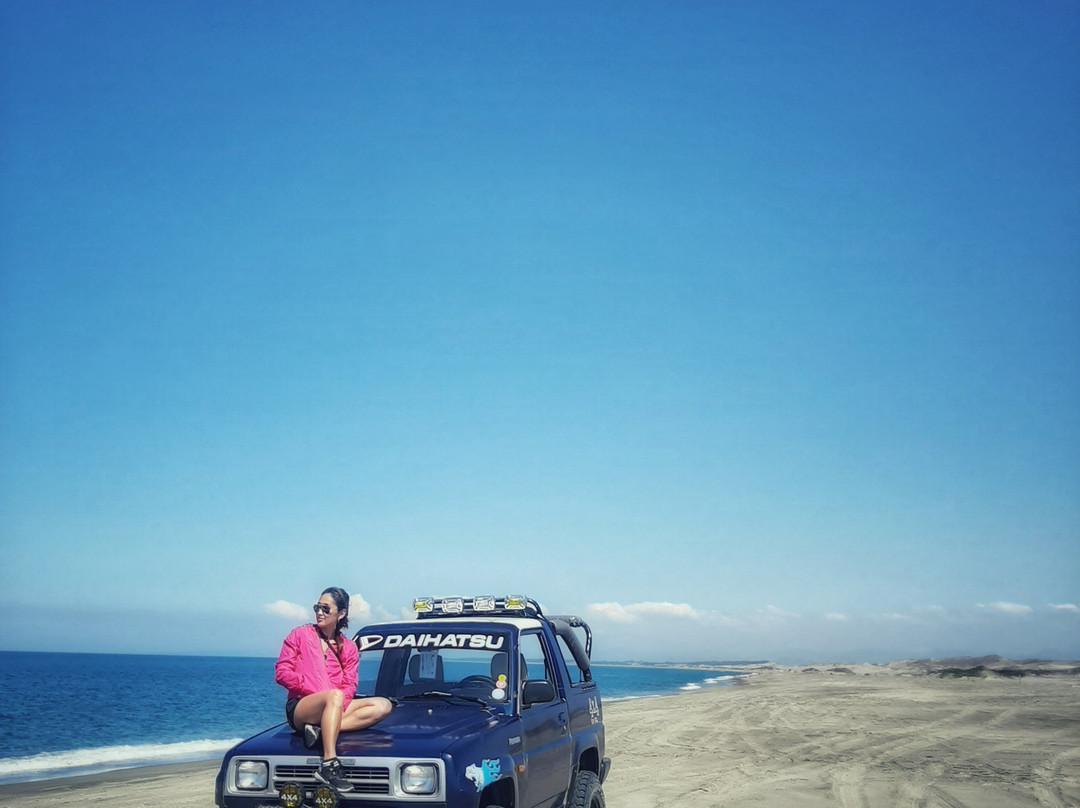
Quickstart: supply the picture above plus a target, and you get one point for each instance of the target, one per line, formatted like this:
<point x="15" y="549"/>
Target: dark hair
<point x="341" y="600"/>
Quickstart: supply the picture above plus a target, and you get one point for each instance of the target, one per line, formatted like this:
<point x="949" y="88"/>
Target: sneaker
<point x="330" y="773"/>
<point x="312" y="734"/>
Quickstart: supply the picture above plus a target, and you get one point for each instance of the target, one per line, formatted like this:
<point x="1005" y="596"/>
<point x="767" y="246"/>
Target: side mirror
<point x="537" y="691"/>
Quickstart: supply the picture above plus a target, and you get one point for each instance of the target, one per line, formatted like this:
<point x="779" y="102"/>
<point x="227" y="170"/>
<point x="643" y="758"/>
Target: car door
<point x="545" y="731"/>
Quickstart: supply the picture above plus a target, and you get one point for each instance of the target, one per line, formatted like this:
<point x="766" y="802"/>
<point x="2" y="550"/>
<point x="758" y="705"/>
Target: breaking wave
<point x="620" y="683"/>
<point x="46" y="765"/>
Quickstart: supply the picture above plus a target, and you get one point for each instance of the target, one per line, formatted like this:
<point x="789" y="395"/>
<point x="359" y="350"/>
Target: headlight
<point x="419" y="778"/>
<point x="252" y="775"/>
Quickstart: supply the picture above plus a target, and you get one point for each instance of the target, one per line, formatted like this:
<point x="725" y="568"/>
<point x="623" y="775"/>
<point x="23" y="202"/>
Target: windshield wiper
<point x="442" y="694"/>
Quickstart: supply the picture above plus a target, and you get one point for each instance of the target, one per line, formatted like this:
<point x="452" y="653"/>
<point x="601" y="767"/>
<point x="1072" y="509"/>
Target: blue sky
<point x="745" y="330"/>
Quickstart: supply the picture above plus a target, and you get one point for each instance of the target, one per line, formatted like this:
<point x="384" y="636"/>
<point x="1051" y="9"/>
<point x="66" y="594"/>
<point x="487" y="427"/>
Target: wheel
<point x="587" y="791"/>
<point x="477" y="679"/>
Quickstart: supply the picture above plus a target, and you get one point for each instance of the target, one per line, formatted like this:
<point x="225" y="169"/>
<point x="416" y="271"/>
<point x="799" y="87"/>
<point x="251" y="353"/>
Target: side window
<point x="576" y="676"/>
<point x="534" y="662"/>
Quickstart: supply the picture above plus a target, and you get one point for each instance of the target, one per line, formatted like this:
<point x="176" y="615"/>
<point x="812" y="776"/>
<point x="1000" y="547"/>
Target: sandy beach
<point x="801" y="740"/>
<point x="849" y="736"/>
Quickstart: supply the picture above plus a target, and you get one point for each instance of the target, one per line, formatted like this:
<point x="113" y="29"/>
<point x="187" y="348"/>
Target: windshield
<point x="436" y="664"/>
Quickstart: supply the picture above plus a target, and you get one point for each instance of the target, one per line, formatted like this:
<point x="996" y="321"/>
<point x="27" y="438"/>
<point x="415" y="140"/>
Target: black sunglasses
<point x="321" y="607"/>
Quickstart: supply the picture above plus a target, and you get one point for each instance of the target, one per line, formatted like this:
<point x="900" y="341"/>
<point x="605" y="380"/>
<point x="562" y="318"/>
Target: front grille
<point x="365" y="779"/>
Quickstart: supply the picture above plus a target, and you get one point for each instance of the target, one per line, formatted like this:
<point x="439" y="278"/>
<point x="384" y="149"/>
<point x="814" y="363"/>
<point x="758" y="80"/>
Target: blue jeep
<point x="494" y="707"/>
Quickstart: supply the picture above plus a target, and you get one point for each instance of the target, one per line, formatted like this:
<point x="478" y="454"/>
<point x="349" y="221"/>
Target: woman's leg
<point x="323" y="709"/>
<point x="362" y="713"/>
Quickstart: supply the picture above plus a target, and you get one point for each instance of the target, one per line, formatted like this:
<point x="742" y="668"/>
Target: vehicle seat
<point x="414" y="670"/>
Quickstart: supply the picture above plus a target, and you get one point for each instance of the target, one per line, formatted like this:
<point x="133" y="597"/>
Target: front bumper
<point x="291" y="783"/>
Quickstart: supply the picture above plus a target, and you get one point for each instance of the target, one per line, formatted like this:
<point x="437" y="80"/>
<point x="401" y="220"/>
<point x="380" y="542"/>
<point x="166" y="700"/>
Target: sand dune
<point x="836" y="735"/>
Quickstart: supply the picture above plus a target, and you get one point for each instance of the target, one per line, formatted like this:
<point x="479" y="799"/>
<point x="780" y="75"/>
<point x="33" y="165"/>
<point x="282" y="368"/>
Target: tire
<point x="586" y="792"/>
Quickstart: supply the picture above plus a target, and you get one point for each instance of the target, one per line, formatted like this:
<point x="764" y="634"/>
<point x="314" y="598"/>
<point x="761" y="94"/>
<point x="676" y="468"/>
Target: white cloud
<point x="359" y="611"/>
<point x="1009" y="608"/>
<point x="658" y="631"/>
<point x="615" y="612"/>
<point x="666" y="610"/>
<point x="283" y="608"/>
<point x="633" y="612"/>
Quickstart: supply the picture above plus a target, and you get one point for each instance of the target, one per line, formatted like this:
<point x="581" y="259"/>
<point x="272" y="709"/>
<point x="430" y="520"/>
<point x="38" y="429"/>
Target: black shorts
<point x="290" y="708"/>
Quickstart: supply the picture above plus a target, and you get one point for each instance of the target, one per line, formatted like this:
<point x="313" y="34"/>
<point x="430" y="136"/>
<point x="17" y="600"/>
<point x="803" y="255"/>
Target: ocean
<point x="69" y="714"/>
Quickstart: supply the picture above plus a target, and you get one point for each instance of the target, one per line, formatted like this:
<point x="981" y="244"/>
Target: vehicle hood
<point x="411" y="730"/>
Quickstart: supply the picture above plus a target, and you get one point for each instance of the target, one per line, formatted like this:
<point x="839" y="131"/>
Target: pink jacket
<point x="303" y="669"/>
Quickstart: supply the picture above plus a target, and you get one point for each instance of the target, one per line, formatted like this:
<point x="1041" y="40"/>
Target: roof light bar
<point x="479" y="604"/>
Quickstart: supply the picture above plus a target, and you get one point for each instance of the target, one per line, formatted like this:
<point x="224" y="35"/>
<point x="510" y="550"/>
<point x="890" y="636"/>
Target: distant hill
<point x="705" y="664"/>
<point x="985" y="665"/>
